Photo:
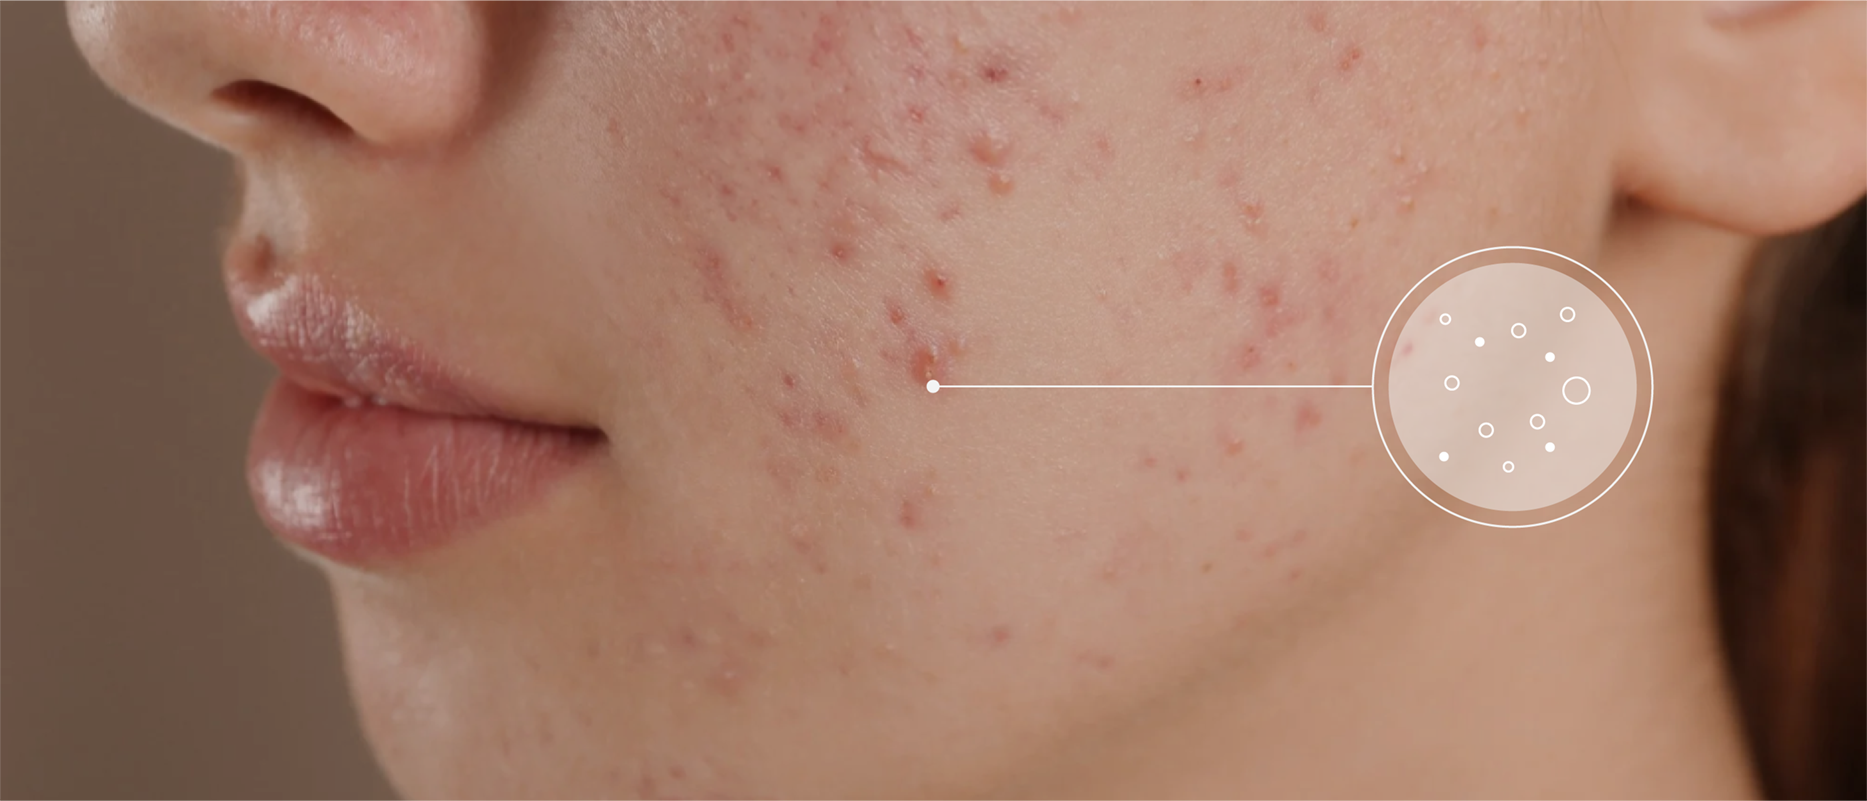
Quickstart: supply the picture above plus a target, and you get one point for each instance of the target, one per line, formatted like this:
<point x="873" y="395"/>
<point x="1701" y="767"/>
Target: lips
<point x="368" y="448"/>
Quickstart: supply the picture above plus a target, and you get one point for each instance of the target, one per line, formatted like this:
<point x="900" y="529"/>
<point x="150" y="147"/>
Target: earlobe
<point x="1749" y="117"/>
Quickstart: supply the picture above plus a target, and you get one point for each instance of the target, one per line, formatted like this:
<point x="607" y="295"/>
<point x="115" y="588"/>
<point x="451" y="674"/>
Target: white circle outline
<point x="1538" y="425"/>
<point x="1652" y="385"/>
<point x="1513" y="330"/>
<point x="1510" y="468"/>
<point x="1445" y="319"/>
<point x="1481" y="430"/>
<point x="1571" y="309"/>
<point x="1565" y="390"/>
<point x="1452" y="383"/>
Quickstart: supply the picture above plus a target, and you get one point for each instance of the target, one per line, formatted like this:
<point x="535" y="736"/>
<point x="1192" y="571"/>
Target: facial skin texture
<point x="740" y="240"/>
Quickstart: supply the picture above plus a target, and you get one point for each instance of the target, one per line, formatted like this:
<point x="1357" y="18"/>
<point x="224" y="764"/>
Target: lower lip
<point x="359" y="484"/>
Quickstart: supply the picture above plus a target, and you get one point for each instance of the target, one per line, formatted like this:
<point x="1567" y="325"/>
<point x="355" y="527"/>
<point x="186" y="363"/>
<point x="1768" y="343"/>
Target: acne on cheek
<point x="819" y="133"/>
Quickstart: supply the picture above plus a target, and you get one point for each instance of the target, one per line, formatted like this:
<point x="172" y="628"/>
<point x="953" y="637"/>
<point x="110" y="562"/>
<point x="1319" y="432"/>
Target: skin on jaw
<point x="741" y="239"/>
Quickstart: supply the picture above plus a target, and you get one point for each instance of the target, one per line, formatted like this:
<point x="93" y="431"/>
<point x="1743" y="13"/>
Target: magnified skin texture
<point x="1557" y="423"/>
<point x="739" y="240"/>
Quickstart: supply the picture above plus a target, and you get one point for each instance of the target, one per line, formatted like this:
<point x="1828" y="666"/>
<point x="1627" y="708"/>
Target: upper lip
<point x="323" y="340"/>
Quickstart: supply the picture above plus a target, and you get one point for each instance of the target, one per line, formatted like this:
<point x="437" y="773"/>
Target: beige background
<point x="154" y="640"/>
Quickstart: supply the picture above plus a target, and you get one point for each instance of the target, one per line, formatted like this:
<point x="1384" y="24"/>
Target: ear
<point x="1749" y="116"/>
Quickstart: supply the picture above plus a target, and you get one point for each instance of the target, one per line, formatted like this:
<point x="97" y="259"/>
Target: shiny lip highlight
<point x="326" y="344"/>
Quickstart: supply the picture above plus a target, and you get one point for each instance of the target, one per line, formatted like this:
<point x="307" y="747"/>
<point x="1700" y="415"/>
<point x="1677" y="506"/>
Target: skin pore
<point x="739" y="240"/>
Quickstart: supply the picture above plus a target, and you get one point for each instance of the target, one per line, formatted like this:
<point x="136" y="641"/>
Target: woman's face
<point x="738" y="241"/>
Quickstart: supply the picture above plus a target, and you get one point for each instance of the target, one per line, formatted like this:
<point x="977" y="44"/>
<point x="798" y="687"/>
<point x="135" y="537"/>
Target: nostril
<point x="281" y="104"/>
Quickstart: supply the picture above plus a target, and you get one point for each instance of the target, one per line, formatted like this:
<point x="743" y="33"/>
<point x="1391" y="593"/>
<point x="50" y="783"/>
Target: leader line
<point x="935" y="386"/>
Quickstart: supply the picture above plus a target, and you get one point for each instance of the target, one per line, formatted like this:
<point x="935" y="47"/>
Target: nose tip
<point x="247" y="76"/>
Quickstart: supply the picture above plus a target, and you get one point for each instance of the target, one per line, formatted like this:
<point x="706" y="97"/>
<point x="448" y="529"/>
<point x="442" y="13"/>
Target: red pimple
<point x="990" y="148"/>
<point x="999" y="635"/>
<point x="910" y="516"/>
<point x="1242" y="534"/>
<point x="1318" y="21"/>
<point x="938" y="284"/>
<point x="1181" y="475"/>
<point x="1350" y="57"/>
<point x="999" y="183"/>
<point x="1148" y="462"/>
<point x="994" y="72"/>
<point x="1096" y="660"/>
<point x="1269" y="296"/>
<point x="716" y="288"/>
<point x="1308" y="416"/>
<point x="1228" y="276"/>
<point x="896" y="315"/>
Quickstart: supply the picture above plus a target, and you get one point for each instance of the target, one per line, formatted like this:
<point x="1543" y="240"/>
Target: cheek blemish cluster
<point x="1512" y="387"/>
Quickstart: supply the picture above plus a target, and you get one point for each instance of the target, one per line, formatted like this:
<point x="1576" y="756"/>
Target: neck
<point x="1575" y="659"/>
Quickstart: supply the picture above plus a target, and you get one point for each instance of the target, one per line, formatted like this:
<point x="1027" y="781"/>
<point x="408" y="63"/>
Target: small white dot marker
<point x="1549" y="447"/>
<point x="1480" y="342"/>
<point x="1549" y="357"/>
<point x="933" y="386"/>
<point x="1444" y="456"/>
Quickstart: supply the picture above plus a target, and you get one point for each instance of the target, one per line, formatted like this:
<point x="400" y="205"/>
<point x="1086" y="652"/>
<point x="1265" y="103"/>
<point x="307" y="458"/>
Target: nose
<point x="250" y="76"/>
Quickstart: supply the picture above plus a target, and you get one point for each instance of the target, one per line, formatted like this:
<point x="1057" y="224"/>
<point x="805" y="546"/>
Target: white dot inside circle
<point x="1480" y="342"/>
<point x="1536" y="422"/>
<point x="1549" y="447"/>
<point x="933" y="386"/>
<point x="1518" y="330"/>
<point x="1567" y="314"/>
<point x="1445" y="319"/>
<point x="1549" y="357"/>
<point x="1486" y="430"/>
<point x="1452" y="382"/>
<point x="1586" y="390"/>
<point x="1508" y="467"/>
<point x="1444" y="456"/>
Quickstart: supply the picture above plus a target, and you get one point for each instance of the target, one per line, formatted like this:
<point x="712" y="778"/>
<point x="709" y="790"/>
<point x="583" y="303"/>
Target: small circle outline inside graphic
<point x="1514" y="329"/>
<point x="1445" y="319"/>
<point x="1565" y="390"/>
<point x="1630" y="324"/>
<point x="1567" y="314"/>
<point x="1485" y="430"/>
<point x="1509" y="468"/>
<point x="1452" y="383"/>
<point x="1537" y="421"/>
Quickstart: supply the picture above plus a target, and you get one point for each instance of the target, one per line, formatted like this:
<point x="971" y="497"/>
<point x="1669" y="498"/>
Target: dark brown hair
<point x="1789" y="511"/>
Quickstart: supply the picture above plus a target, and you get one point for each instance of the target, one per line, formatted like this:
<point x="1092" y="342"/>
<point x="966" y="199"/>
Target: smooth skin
<point x="741" y="239"/>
